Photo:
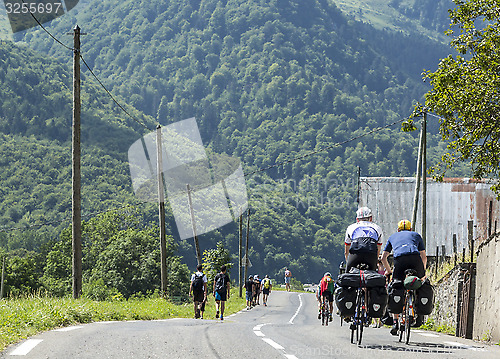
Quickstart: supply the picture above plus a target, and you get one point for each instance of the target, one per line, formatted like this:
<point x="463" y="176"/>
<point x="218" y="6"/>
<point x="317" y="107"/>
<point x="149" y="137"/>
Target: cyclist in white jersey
<point x="363" y="240"/>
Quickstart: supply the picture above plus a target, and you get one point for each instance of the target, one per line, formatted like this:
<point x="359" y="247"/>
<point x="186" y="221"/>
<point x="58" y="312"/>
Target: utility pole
<point x="161" y="213"/>
<point x="239" y="254"/>
<point x="76" y="177"/>
<point x="3" y="277"/>
<point x="193" y="223"/>
<point x="359" y="182"/>
<point x="246" y="245"/>
<point x="417" y="181"/>
<point x="424" y="177"/>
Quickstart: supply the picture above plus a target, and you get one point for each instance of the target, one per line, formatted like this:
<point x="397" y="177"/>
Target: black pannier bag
<point x="349" y="280"/>
<point x="377" y="302"/>
<point x="396" y="292"/>
<point x="367" y="278"/>
<point x="345" y="299"/>
<point x="424" y="302"/>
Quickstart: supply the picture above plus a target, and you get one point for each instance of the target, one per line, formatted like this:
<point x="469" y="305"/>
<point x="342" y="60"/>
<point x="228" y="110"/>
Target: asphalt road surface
<point x="287" y="328"/>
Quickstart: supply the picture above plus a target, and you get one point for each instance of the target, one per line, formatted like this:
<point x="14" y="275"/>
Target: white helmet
<point x="363" y="212"/>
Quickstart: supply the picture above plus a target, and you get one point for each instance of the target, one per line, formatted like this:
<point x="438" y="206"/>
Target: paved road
<point x="288" y="328"/>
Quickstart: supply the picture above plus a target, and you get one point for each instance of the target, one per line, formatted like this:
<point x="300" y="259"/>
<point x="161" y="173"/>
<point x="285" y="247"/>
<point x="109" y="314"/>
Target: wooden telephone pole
<point x="76" y="176"/>
<point x="161" y="213"/>
<point x="421" y="172"/>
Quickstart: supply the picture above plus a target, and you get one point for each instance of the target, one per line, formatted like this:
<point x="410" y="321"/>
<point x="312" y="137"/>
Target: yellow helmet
<point x="404" y="225"/>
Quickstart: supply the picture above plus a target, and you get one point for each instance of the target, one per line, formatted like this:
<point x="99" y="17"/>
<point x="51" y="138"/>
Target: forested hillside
<point x="267" y="81"/>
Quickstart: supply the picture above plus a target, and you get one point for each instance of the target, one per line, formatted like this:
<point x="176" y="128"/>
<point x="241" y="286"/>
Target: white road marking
<point x="429" y="335"/>
<point x="290" y="356"/>
<point x="259" y="333"/>
<point x="258" y="327"/>
<point x="26" y="347"/>
<point x="273" y="344"/>
<point x="67" y="329"/>
<point x="298" y="310"/>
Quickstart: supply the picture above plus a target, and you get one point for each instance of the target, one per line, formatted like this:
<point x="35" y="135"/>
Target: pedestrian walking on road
<point x="288" y="277"/>
<point x="198" y="290"/>
<point x="222" y="289"/>
<point x="266" y="287"/>
<point x="249" y="292"/>
<point x="256" y="283"/>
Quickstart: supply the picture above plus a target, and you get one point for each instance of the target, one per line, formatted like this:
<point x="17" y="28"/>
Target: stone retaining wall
<point x="487" y="306"/>
<point x="445" y="299"/>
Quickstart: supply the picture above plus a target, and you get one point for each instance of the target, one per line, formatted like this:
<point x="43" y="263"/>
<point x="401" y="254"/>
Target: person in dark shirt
<point x="222" y="289"/>
<point x="409" y="253"/>
<point x="249" y="291"/>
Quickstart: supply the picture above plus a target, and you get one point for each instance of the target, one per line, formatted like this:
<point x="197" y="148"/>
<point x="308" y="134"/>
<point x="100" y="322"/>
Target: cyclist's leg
<point x="398" y="273"/>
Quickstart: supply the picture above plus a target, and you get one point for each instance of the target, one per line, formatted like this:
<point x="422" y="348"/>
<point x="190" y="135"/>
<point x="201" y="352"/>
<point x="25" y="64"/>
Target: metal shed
<point x="450" y="205"/>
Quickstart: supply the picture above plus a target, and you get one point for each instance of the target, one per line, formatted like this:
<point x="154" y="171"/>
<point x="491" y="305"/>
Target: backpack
<point x="220" y="283"/>
<point x="267" y="283"/>
<point x="198" y="283"/>
<point x="325" y="283"/>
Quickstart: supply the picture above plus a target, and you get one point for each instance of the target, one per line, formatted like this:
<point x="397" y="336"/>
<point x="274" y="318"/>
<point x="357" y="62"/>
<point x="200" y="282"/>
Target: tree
<point x="214" y="259"/>
<point x="466" y="90"/>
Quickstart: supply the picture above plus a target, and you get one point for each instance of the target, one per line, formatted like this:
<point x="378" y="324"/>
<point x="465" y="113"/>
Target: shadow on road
<point x="416" y="347"/>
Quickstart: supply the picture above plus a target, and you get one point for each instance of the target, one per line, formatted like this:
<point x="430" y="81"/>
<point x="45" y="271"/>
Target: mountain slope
<point x="267" y="82"/>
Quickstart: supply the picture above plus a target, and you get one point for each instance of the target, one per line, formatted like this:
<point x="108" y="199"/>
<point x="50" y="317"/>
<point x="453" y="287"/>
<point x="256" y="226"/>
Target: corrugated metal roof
<point x="450" y="205"/>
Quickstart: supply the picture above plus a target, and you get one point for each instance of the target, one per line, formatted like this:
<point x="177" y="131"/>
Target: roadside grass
<point x="21" y="318"/>
<point x="442" y="328"/>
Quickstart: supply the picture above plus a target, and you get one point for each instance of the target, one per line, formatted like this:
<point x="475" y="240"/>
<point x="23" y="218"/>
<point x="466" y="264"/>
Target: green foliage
<point x="213" y="260"/>
<point x="119" y="257"/>
<point x="267" y="82"/>
<point x="465" y="90"/>
<point x="295" y="284"/>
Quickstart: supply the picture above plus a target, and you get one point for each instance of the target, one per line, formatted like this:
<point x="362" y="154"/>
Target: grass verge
<point x="21" y="318"/>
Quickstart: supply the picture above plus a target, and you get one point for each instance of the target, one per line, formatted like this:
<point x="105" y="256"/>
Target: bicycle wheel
<point x="401" y="322"/>
<point x="401" y="325"/>
<point x="409" y="316"/>
<point x="362" y="320"/>
<point x="323" y="313"/>
<point x="356" y="318"/>
<point x="327" y="312"/>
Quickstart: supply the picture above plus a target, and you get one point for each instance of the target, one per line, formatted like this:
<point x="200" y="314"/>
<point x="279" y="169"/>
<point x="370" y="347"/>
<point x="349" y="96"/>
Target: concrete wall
<point x="487" y="306"/>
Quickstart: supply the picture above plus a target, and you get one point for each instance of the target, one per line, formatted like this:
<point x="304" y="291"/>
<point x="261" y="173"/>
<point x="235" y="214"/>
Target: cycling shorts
<point x="328" y="295"/>
<point x="410" y="261"/>
<point x="369" y="259"/>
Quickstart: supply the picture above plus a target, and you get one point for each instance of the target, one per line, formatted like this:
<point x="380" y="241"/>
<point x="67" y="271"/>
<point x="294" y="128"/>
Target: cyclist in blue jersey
<point x="363" y="241"/>
<point x="409" y="253"/>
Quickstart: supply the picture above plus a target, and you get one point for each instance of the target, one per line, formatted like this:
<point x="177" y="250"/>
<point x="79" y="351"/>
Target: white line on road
<point x="290" y="356"/>
<point x="67" y="329"/>
<point x="273" y="343"/>
<point x="259" y="333"/>
<point x="429" y="335"/>
<point x="258" y="327"/>
<point x="26" y="347"/>
<point x="298" y="309"/>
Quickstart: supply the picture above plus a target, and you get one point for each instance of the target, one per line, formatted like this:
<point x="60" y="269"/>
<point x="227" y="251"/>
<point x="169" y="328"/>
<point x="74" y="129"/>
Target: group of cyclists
<point x="363" y="245"/>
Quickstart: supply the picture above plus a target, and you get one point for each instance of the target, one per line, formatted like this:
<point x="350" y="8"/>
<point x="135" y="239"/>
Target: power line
<point x="44" y="29"/>
<point x="111" y="96"/>
<point x="324" y="149"/>
<point x="92" y="72"/>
